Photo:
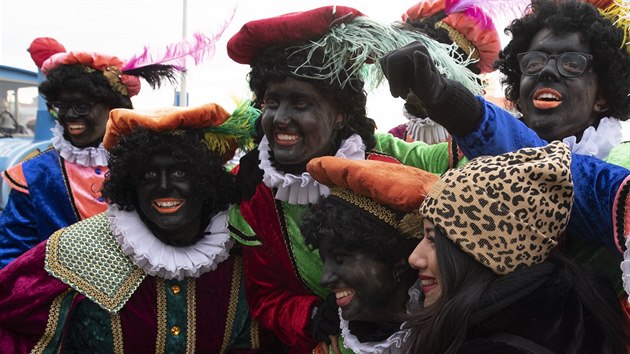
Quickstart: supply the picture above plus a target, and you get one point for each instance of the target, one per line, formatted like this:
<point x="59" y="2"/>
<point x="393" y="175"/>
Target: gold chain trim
<point x="254" y="332"/>
<point x="117" y="334"/>
<point x="459" y="39"/>
<point x="191" y="309"/>
<point x="231" y="312"/>
<point x="113" y="76"/>
<point x="160" y="345"/>
<point x="51" y="326"/>
<point x="366" y="204"/>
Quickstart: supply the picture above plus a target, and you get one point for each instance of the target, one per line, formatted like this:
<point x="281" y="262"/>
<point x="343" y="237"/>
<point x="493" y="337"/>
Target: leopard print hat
<point x="506" y="211"/>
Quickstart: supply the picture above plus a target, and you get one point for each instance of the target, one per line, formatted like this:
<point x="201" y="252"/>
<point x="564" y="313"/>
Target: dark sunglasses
<point x="79" y="108"/>
<point x="569" y="64"/>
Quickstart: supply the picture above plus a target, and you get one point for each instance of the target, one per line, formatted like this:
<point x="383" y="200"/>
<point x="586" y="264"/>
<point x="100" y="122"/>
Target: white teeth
<point x="76" y="126"/>
<point x="343" y="293"/>
<point x="287" y="137"/>
<point x="548" y="96"/>
<point x="428" y="281"/>
<point x="167" y="204"/>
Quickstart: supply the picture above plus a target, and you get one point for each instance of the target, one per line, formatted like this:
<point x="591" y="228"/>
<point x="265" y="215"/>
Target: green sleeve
<point x="620" y="155"/>
<point x="240" y="229"/>
<point x="432" y="158"/>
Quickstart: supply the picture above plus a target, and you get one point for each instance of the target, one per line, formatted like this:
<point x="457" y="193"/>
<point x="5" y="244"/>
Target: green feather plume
<point x="348" y="47"/>
<point x="238" y="129"/>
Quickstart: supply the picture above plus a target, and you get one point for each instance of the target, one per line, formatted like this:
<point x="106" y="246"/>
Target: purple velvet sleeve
<point x="27" y="294"/>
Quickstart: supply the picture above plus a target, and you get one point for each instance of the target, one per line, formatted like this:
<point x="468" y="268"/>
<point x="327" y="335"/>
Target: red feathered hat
<point x="467" y="25"/>
<point x="284" y="30"/>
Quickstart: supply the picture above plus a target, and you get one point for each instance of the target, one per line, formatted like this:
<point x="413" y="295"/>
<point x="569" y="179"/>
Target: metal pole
<point x="182" y="89"/>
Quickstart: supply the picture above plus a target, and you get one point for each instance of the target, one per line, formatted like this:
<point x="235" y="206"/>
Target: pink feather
<point x="485" y="10"/>
<point x="198" y="49"/>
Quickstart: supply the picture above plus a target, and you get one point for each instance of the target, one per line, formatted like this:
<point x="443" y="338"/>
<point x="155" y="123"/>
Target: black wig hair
<point x="276" y="64"/>
<point x="129" y="157"/>
<point x="611" y="62"/>
<point x="74" y="78"/>
<point x="352" y="229"/>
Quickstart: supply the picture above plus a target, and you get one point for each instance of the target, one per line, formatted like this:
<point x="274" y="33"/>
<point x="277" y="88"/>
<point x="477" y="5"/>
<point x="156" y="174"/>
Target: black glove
<point x="325" y="319"/>
<point x="448" y="102"/>
<point x="249" y="175"/>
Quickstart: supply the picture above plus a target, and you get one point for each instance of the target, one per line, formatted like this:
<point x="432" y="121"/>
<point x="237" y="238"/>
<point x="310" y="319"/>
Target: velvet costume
<point x="282" y="275"/>
<point x="98" y="299"/>
<point x="48" y="193"/>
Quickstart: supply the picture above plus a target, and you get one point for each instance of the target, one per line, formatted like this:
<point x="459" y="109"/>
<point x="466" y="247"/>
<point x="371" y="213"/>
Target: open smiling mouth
<point x="547" y="99"/>
<point x="344" y="296"/>
<point x="286" y="139"/>
<point x="75" y="128"/>
<point x="167" y="205"/>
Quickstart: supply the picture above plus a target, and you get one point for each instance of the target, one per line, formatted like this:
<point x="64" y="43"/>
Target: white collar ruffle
<point x="89" y="156"/>
<point x="168" y="262"/>
<point x="392" y="345"/>
<point x="597" y="141"/>
<point x="303" y="189"/>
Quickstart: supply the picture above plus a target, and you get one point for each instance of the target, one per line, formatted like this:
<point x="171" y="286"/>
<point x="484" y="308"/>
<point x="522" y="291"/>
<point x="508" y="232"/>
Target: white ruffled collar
<point x="159" y="259"/>
<point x="396" y="343"/>
<point x="89" y="156"/>
<point x="303" y="189"/>
<point x="393" y="344"/>
<point x="597" y="142"/>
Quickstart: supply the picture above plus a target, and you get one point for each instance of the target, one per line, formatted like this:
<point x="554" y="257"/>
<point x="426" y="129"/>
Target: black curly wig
<point x="611" y="62"/>
<point x="352" y="229"/>
<point x="74" y="78"/>
<point x="277" y="63"/>
<point x="129" y="157"/>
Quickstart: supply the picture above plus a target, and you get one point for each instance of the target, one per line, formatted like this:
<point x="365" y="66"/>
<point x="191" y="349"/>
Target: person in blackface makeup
<point x="306" y="76"/>
<point x="62" y="185"/>
<point x="158" y="271"/>
<point x="568" y="70"/>
<point x="492" y="279"/>
<point x="364" y="231"/>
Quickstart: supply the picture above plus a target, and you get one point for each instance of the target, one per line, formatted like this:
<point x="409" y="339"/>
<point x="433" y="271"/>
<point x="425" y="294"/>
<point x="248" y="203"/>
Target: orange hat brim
<point x="396" y="186"/>
<point x="123" y="121"/>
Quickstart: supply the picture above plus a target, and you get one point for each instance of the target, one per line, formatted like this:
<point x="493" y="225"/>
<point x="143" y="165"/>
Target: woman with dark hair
<point x="62" y="185"/>
<point x="306" y="72"/>
<point x="158" y="271"/>
<point x="574" y="54"/>
<point x="490" y="274"/>
<point x="364" y="231"/>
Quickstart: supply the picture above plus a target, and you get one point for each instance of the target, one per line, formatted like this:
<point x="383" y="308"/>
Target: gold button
<point x="175" y="330"/>
<point x="175" y="289"/>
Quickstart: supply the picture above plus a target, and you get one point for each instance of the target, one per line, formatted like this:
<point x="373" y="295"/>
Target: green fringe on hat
<point x="239" y="128"/>
<point x="365" y="41"/>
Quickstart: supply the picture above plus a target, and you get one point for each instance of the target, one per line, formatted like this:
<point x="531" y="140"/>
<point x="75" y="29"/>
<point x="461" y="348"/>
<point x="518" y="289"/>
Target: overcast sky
<point x="123" y="27"/>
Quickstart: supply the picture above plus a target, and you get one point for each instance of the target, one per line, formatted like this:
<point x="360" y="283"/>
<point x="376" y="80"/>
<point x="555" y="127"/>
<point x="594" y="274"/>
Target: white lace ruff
<point x="89" y="156"/>
<point x="392" y="345"/>
<point x="303" y="189"/>
<point x="597" y="142"/>
<point x="168" y="262"/>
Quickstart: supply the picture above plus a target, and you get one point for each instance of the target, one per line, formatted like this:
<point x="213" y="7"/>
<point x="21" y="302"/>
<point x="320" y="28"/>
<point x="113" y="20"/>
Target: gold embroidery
<point x="459" y="39"/>
<point x="160" y="345"/>
<point x="51" y="326"/>
<point x="191" y="309"/>
<point x="86" y="256"/>
<point x="366" y="204"/>
<point x="254" y="334"/>
<point x="117" y="334"/>
<point x="231" y="313"/>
